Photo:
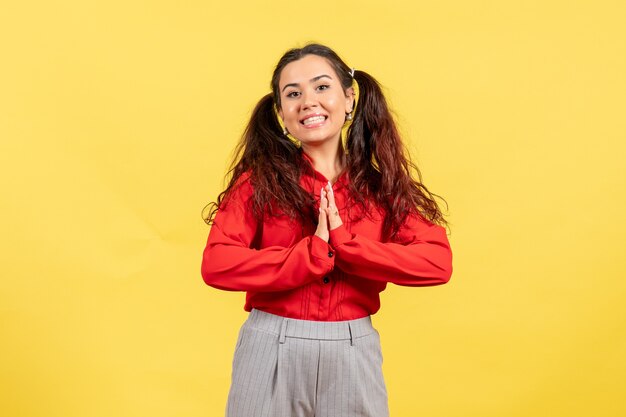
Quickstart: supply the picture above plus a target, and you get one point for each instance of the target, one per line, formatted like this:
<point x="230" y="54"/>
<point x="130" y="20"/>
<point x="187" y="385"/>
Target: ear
<point x="349" y="99"/>
<point x="280" y="113"/>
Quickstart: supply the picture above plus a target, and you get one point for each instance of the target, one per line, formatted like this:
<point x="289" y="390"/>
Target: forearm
<point x="420" y="263"/>
<point x="229" y="266"/>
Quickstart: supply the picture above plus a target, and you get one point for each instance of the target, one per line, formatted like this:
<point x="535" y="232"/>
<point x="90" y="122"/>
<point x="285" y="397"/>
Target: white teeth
<point x="315" y="119"/>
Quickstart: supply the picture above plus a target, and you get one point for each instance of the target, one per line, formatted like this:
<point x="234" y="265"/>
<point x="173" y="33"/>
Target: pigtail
<point x="380" y="164"/>
<point x="262" y="142"/>
<point x="373" y="136"/>
<point x="269" y="160"/>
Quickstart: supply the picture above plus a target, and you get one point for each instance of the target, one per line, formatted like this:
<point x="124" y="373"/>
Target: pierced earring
<point x="285" y="132"/>
<point x="349" y="116"/>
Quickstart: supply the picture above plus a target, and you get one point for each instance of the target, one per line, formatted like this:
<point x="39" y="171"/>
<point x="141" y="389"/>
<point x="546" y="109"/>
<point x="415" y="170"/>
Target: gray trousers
<point x="299" y="368"/>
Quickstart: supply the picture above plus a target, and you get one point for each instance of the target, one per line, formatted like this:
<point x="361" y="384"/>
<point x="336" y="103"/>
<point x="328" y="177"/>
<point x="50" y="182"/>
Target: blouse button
<point x="326" y="280"/>
<point x="330" y="254"/>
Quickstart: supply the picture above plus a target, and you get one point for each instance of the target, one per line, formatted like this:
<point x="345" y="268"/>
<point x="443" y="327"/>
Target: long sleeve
<point x="230" y="263"/>
<point x="420" y="257"/>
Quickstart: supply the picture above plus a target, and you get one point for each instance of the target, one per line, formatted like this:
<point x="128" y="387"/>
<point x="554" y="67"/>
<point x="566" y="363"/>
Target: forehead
<point x="304" y="69"/>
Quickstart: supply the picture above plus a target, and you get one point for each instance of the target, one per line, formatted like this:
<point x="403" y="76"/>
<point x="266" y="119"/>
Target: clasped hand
<point x="329" y="218"/>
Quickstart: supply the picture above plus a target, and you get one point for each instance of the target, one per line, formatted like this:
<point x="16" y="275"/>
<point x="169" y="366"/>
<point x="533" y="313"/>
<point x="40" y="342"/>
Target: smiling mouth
<point x="313" y="120"/>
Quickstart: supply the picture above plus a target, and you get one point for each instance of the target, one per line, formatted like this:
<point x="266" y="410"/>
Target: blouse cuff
<point x="339" y="236"/>
<point x="322" y="250"/>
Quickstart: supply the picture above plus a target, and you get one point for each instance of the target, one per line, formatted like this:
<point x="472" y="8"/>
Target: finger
<point x="322" y="224"/>
<point x="322" y="221"/>
<point x="323" y="199"/>
<point x="330" y="194"/>
<point x="332" y="207"/>
<point x="334" y="219"/>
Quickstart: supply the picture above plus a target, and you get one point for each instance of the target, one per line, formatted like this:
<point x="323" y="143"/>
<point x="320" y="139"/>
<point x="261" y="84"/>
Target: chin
<point x="317" y="138"/>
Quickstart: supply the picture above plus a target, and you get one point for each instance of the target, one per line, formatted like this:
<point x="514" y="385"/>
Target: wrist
<point x="335" y="224"/>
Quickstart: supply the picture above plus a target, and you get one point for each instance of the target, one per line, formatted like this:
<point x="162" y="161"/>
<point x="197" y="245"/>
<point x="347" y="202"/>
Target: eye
<point x="293" y="94"/>
<point x="323" y="87"/>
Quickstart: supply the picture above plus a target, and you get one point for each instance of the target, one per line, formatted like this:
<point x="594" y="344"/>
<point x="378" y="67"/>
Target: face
<point x="313" y="101"/>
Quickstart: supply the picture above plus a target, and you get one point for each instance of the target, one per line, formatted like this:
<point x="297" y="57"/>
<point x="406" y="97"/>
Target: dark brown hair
<point x="379" y="168"/>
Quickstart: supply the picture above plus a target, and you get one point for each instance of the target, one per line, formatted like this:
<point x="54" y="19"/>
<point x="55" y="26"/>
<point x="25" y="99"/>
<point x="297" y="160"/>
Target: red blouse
<point x="295" y="274"/>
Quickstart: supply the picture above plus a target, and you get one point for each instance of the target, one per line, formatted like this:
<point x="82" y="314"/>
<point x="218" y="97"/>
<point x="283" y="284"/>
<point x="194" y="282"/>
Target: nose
<point x="309" y="99"/>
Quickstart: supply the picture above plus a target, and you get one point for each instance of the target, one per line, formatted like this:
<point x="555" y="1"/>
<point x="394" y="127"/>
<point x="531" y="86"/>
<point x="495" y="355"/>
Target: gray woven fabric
<point x="299" y="368"/>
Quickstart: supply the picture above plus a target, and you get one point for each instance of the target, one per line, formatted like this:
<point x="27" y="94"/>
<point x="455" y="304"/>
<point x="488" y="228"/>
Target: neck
<point x="327" y="159"/>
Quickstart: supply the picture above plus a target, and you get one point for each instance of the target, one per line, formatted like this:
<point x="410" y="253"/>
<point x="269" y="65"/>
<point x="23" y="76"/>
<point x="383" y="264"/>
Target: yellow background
<point x="118" y="118"/>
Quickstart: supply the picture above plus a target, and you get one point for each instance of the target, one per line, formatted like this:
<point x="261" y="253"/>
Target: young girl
<point x="320" y="214"/>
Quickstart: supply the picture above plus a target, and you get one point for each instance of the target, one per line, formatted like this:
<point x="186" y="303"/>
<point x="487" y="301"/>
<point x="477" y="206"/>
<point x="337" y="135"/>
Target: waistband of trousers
<point x="310" y="329"/>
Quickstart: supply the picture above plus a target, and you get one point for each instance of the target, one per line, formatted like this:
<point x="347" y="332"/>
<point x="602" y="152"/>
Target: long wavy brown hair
<point x="379" y="167"/>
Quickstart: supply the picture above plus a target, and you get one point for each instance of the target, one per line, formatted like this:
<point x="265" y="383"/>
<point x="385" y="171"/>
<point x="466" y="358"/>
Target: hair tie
<point x="352" y="72"/>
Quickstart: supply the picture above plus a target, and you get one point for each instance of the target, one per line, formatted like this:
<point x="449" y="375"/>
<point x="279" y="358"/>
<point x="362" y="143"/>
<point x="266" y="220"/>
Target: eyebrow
<point x="312" y="80"/>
